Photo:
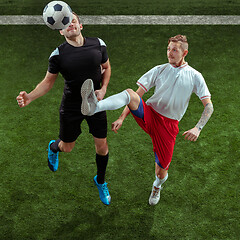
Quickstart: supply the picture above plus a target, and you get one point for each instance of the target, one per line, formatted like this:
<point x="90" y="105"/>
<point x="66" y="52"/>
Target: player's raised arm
<point x="194" y="133"/>
<point x="106" y="74"/>
<point x="41" y="89"/>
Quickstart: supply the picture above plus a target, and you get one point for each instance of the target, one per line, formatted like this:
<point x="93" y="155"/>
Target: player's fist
<point x="23" y="99"/>
<point x="192" y="134"/>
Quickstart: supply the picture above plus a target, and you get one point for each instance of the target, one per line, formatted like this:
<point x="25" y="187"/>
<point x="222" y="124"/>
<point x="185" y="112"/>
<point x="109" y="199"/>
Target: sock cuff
<point x="128" y="95"/>
<point x="101" y="157"/>
<point x="54" y="146"/>
<point x="158" y="182"/>
<point x="163" y="179"/>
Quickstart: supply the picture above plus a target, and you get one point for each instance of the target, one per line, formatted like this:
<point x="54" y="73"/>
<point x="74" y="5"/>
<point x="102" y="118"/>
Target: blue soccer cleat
<point x="52" y="158"/>
<point x="103" y="192"/>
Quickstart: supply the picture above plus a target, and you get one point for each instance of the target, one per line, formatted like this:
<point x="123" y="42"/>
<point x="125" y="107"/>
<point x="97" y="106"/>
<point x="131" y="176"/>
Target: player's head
<point x="181" y="39"/>
<point x="74" y="29"/>
<point x="78" y="18"/>
<point x="177" y="49"/>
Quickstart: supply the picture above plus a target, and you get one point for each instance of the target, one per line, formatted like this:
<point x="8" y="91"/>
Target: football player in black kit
<point x="77" y="59"/>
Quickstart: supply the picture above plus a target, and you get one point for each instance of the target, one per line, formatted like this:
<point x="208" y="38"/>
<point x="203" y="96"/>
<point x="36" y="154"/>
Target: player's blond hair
<point x="182" y="39"/>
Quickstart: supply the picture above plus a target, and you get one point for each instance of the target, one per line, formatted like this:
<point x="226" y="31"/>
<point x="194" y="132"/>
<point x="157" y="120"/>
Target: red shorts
<point x="163" y="132"/>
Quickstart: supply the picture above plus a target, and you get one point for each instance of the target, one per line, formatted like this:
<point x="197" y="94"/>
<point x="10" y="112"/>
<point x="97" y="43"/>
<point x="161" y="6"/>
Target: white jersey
<point x="173" y="88"/>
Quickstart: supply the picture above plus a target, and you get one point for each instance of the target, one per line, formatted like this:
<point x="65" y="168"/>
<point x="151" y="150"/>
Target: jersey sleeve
<point x="103" y="50"/>
<point x="147" y="81"/>
<point x="200" y="87"/>
<point x="53" y="65"/>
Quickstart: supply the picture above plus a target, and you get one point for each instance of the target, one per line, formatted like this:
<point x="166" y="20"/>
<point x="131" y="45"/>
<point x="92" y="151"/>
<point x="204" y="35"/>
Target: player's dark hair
<point x="182" y="39"/>
<point x="76" y="16"/>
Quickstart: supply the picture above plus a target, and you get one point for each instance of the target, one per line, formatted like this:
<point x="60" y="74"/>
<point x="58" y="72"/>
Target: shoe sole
<point x="85" y="92"/>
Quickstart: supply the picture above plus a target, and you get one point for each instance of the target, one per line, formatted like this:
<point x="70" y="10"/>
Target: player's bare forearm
<point x="126" y="110"/>
<point x="193" y="134"/>
<point x="118" y="123"/>
<point x="43" y="87"/>
<point x="208" y="110"/>
<point x="106" y="67"/>
<point x="125" y="113"/>
<point x="105" y="80"/>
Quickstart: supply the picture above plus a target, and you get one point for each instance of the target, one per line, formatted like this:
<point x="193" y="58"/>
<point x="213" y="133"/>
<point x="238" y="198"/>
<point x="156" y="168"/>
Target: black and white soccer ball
<point x="57" y="15"/>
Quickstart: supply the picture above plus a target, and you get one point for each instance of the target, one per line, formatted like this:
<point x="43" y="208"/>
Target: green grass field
<point x="200" y="200"/>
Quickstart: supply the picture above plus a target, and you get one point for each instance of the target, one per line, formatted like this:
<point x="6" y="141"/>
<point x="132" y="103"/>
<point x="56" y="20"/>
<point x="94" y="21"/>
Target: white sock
<point x="114" y="102"/>
<point x="158" y="182"/>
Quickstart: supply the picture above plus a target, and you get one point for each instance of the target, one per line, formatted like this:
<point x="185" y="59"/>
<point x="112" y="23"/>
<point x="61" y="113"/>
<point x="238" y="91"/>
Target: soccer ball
<point x="57" y="15"/>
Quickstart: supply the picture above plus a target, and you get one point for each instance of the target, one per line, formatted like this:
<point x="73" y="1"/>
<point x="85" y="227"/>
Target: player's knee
<point x="134" y="96"/>
<point x="102" y="149"/>
<point x="131" y="92"/>
<point x="161" y="173"/>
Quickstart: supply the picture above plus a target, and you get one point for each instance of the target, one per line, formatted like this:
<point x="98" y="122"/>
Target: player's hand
<point x="116" y="125"/>
<point x="192" y="134"/>
<point x="100" y="94"/>
<point x="23" y="99"/>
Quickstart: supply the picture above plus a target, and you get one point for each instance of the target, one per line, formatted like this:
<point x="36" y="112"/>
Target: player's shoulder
<point x="58" y="50"/>
<point x="196" y="75"/>
<point x="95" y="41"/>
<point x="163" y="66"/>
<point x="191" y="69"/>
<point x="160" y="68"/>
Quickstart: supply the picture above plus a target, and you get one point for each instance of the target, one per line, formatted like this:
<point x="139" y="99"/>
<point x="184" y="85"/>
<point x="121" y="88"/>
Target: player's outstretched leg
<point x="103" y="191"/>
<point x="52" y="158"/>
<point x="89" y="99"/>
<point x="90" y="104"/>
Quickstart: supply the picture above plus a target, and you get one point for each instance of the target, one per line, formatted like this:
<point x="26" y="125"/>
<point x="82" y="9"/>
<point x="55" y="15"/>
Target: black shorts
<point x="70" y="125"/>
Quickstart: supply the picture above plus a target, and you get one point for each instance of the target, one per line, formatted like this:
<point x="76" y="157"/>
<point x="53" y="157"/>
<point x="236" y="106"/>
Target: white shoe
<point x="155" y="195"/>
<point x="89" y="99"/>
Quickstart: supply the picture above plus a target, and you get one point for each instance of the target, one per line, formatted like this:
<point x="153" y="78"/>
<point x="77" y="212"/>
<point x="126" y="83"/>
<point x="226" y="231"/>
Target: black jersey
<point x="76" y="64"/>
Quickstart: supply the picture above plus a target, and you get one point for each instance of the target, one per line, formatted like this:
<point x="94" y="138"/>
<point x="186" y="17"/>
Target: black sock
<point x="54" y="146"/>
<point x="102" y="162"/>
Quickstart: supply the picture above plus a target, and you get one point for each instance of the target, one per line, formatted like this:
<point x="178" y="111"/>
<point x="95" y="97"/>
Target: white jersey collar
<point x="182" y="66"/>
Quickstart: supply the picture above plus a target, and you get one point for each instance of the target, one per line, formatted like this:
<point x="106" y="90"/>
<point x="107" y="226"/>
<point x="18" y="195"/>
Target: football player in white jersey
<point x="174" y="84"/>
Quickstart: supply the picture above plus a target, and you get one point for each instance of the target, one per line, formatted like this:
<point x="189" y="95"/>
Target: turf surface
<point x="201" y="198"/>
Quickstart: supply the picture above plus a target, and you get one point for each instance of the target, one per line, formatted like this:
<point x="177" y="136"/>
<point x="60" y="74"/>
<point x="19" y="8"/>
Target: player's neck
<point x="77" y="41"/>
<point x="179" y="64"/>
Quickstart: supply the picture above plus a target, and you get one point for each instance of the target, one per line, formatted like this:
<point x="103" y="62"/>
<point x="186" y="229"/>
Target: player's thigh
<point x="70" y="126"/>
<point x="98" y="124"/>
